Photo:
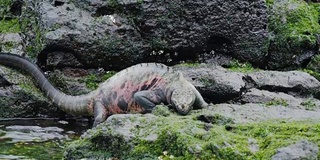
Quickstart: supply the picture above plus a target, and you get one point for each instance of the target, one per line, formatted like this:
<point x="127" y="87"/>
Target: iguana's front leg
<point x="100" y="113"/>
<point x="148" y="99"/>
<point x="199" y="101"/>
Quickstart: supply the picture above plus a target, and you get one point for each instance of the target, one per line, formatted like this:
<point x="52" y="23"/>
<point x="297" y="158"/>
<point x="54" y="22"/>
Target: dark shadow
<point x="220" y="45"/>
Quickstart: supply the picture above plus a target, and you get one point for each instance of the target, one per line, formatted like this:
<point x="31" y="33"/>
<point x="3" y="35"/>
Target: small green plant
<point x="7" y="45"/>
<point x="92" y="81"/>
<point x="207" y="82"/>
<point x="309" y="104"/>
<point x="315" y="74"/>
<point x="158" y="43"/>
<point x="237" y="66"/>
<point x="161" y="110"/>
<point x="189" y="64"/>
<point x="280" y="101"/>
<point x="108" y="74"/>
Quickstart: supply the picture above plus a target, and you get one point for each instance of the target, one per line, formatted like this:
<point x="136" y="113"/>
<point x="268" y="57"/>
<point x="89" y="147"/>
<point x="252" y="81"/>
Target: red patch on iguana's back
<point x="121" y="97"/>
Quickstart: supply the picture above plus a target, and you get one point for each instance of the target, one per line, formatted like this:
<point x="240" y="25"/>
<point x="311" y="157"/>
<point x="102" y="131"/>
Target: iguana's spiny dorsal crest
<point x="138" y="88"/>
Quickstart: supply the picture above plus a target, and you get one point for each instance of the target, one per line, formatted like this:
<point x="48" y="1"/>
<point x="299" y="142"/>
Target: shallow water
<point x="38" y="138"/>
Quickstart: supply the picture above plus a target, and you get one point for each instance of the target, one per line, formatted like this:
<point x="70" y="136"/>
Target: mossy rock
<point x="293" y="26"/>
<point x="135" y="136"/>
<point x="21" y="98"/>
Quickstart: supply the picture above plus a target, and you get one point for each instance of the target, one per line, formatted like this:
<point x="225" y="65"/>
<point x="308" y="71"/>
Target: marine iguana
<point x="137" y="89"/>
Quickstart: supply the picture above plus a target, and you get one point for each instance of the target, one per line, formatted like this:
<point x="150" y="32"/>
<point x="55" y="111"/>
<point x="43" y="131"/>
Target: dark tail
<point x="76" y="105"/>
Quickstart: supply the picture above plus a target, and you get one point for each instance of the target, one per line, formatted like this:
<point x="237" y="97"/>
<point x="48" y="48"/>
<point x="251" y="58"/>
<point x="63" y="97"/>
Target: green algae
<point x="313" y="73"/>
<point x="183" y="137"/>
<point x="309" y="104"/>
<point x="243" y="67"/>
<point x="32" y="150"/>
<point x="189" y="64"/>
<point x="277" y="101"/>
<point x="93" y="81"/>
<point x="207" y="82"/>
<point x="9" y="26"/>
<point x="295" y="20"/>
<point x="272" y="135"/>
<point x="8" y="45"/>
<point x="30" y="26"/>
<point x="293" y="26"/>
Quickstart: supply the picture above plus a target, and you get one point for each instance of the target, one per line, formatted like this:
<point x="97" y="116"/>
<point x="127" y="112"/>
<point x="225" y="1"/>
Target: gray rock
<point x="13" y="157"/>
<point x="299" y="151"/>
<point x="279" y="98"/>
<point x="12" y="43"/>
<point x="124" y="125"/>
<point x="262" y="96"/>
<point x="259" y="112"/>
<point x="214" y="82"/>
<point x="293" y="82"/>
<point x="253" y="145"/>
<point x="117" y="34"/>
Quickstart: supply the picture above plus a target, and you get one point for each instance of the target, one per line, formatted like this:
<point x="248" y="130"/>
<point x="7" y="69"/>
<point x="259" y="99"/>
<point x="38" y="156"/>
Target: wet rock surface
<point x="32" y="134"/>
<point x="38" y="130"/>
<point x="37" y="138"/>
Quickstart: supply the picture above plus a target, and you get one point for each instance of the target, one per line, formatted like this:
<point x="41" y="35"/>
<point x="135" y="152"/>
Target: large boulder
<point x="116" y="34"/>
<point x="293" y="27"/>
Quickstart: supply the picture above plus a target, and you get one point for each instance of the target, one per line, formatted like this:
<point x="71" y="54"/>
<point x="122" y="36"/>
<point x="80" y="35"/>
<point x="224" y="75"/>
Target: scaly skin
<point x="137" y="89"/>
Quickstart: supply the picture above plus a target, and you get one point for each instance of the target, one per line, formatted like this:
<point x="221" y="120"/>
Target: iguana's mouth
<point x="183" y="109"/>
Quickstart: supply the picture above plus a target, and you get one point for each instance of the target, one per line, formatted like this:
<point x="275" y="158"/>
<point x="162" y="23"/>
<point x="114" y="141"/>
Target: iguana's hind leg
<point x="148" y="99"/>
<point x="100" y="113"/>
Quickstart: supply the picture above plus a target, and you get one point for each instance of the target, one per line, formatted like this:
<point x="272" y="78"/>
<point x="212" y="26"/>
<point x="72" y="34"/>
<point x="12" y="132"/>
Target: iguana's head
<point x="182" y="97"/>
<point x="182" y="100"/>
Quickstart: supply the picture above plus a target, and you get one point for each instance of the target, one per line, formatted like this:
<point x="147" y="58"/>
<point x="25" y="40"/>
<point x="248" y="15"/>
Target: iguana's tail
<point x="76" y="105"/>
